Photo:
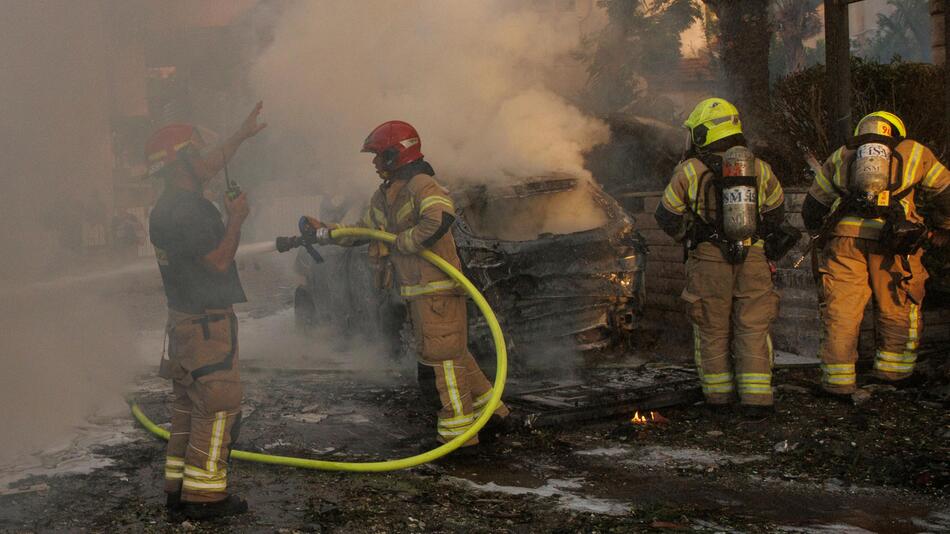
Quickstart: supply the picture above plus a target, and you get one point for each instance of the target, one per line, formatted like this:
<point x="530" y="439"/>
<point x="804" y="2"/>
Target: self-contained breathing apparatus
<point x="737" y="223"/>
<point x="874" y="191"/>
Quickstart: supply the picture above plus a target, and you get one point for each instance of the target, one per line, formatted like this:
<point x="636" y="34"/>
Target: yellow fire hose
<point x="402" y="463"/>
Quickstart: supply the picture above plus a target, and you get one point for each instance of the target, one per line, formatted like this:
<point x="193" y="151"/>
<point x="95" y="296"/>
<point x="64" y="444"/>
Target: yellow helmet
<point x="711" y="120"/>
<point x="881" y="122"/>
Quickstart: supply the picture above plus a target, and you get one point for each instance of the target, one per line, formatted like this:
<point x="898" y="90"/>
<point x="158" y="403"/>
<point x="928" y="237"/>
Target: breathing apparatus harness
<point x="702" y="230"/>
<point x="898" y="235"/>
<point x="738" y="222"/>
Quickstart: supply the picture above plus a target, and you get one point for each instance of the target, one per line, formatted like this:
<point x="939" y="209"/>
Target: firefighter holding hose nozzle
<point x="413" y="205"/>
<point x="195" y="251"/>
<point x="862" y="212"/>
<point x="727" y="208"/>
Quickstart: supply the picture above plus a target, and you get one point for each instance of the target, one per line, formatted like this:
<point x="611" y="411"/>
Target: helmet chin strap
<point x="385" y="170"/>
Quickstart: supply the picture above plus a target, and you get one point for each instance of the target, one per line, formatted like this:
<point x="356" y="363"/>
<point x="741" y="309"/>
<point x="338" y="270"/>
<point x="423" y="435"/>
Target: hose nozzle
<point x="285" y="244"/>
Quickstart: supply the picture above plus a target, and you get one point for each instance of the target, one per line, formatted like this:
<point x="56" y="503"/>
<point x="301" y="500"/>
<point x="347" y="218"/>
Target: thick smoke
<point x="64" y="353"/>
<point x="475" y="78"/>
<point x="65" y="356"/>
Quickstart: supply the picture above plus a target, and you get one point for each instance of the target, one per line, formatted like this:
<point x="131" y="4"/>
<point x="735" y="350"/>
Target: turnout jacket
<point x="922" y="175"/>
<point x="687" y="196"/>
<point x="420" y="212"/>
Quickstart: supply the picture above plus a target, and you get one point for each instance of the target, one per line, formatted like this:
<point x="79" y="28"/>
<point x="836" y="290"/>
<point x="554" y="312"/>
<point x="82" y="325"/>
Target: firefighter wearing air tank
<point x="413" y="205"/>
<point x="727" y="208"/>
<point x="863" y="209"/>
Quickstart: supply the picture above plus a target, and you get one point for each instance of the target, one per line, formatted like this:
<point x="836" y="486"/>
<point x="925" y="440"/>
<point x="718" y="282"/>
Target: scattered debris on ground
<point x="814" y="466"/>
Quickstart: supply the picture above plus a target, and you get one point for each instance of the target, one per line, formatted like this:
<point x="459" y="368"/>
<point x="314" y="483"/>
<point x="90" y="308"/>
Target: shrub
<point x="914" y="91"/>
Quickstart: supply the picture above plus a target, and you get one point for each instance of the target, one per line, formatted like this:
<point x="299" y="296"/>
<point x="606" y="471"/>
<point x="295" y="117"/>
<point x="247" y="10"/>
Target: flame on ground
<point x="647" y="418"/>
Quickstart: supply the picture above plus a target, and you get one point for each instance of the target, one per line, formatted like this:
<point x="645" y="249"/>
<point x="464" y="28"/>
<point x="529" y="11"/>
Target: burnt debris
<point x="557" y="258"/>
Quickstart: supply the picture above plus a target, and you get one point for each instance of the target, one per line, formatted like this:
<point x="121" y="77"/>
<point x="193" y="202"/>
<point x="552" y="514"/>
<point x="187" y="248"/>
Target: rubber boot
<point x="822" y="393"/>
<point x="756" y="411"/>
<point x="425" y="375"/>
<point x="173" y="504"/>
<point x="496" y="427"/>
<point x="230" y="505"/>
<point x="909" y="382"/>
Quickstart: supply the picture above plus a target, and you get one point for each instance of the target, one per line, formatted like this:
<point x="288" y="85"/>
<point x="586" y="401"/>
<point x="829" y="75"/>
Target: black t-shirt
<point x="185" y="227"/>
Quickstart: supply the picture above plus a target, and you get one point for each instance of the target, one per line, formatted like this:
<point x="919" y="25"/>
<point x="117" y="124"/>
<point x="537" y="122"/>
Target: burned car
<point x="557" y="258"/>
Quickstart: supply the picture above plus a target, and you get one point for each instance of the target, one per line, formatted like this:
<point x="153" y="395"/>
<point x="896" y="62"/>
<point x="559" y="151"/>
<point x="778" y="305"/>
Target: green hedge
<point x="914" y="91"/>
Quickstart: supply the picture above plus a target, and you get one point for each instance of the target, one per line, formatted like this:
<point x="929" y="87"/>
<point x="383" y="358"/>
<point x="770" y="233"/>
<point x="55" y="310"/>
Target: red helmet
<point x="396" y="142"/>
<point x="163" y="147"/>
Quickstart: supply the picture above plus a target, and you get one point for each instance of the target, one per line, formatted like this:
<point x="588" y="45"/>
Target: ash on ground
<point x="815" y="466"/>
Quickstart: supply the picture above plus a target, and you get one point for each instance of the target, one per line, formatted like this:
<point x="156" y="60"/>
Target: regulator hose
<point x="411" y="461"/>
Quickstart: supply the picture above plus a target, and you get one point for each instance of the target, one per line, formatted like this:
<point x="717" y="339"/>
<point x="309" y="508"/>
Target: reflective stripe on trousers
<point x="211" y="478"/>
<point x="174" y="468"/>
<point x="427" y="289"/>
<point x="838" y="374"/>
<point x="754" y="383"/>
<point x="895" y="362"/>
<point x="711" y="382"/>
<point x="459" y="422"/>
<point x="480" y="402"/>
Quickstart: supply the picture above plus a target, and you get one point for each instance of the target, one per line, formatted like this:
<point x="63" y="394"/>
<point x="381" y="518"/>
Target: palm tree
<point x="642" y="37"/>
<point x="744" y="38"/>
<point x="795" y="21"/>
<point x="904" y="33"/>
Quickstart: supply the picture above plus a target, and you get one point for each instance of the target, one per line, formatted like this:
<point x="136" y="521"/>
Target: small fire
<point x="647" y="418"/>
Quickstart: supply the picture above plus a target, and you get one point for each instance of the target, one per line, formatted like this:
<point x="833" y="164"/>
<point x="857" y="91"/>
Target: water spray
<point x="139" y="267"/>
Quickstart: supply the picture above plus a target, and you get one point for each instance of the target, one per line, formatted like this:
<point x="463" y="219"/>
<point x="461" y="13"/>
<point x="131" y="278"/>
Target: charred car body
<point x="557" y="258"/>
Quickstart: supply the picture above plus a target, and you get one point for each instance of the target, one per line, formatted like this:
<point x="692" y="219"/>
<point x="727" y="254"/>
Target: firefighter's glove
<point x="939" y="238"/>
<point x="313" y="223"/>
<point x="405" y="243"/>
<point x="315" y="228"/>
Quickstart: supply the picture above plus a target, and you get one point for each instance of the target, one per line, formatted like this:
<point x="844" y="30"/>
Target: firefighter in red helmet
<point x="395" y="144"/>
<point x="413" y="205"/>
<point x="195" y="250"/>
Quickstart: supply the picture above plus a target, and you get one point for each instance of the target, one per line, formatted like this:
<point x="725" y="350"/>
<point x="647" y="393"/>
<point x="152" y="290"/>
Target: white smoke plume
<point x="475" y="78"/>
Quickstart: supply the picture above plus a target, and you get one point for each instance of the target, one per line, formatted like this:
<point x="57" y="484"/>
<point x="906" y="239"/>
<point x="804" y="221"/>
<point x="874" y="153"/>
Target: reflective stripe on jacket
<point x="921" y="171"/>
<point x="420" y="212"/>
<point x="684" y="193"/>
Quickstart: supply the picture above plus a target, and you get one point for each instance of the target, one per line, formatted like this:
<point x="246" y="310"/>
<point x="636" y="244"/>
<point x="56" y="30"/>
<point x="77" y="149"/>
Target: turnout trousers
<point x="731" y="308"/>
<point x="440" y="326"/>
<point x="852" y="270"/>
<point x="206" y="410"/>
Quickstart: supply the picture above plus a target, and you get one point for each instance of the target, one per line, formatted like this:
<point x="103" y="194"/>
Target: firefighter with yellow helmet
<point x="865" y="198"/>
<point x="727" y="208"/>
